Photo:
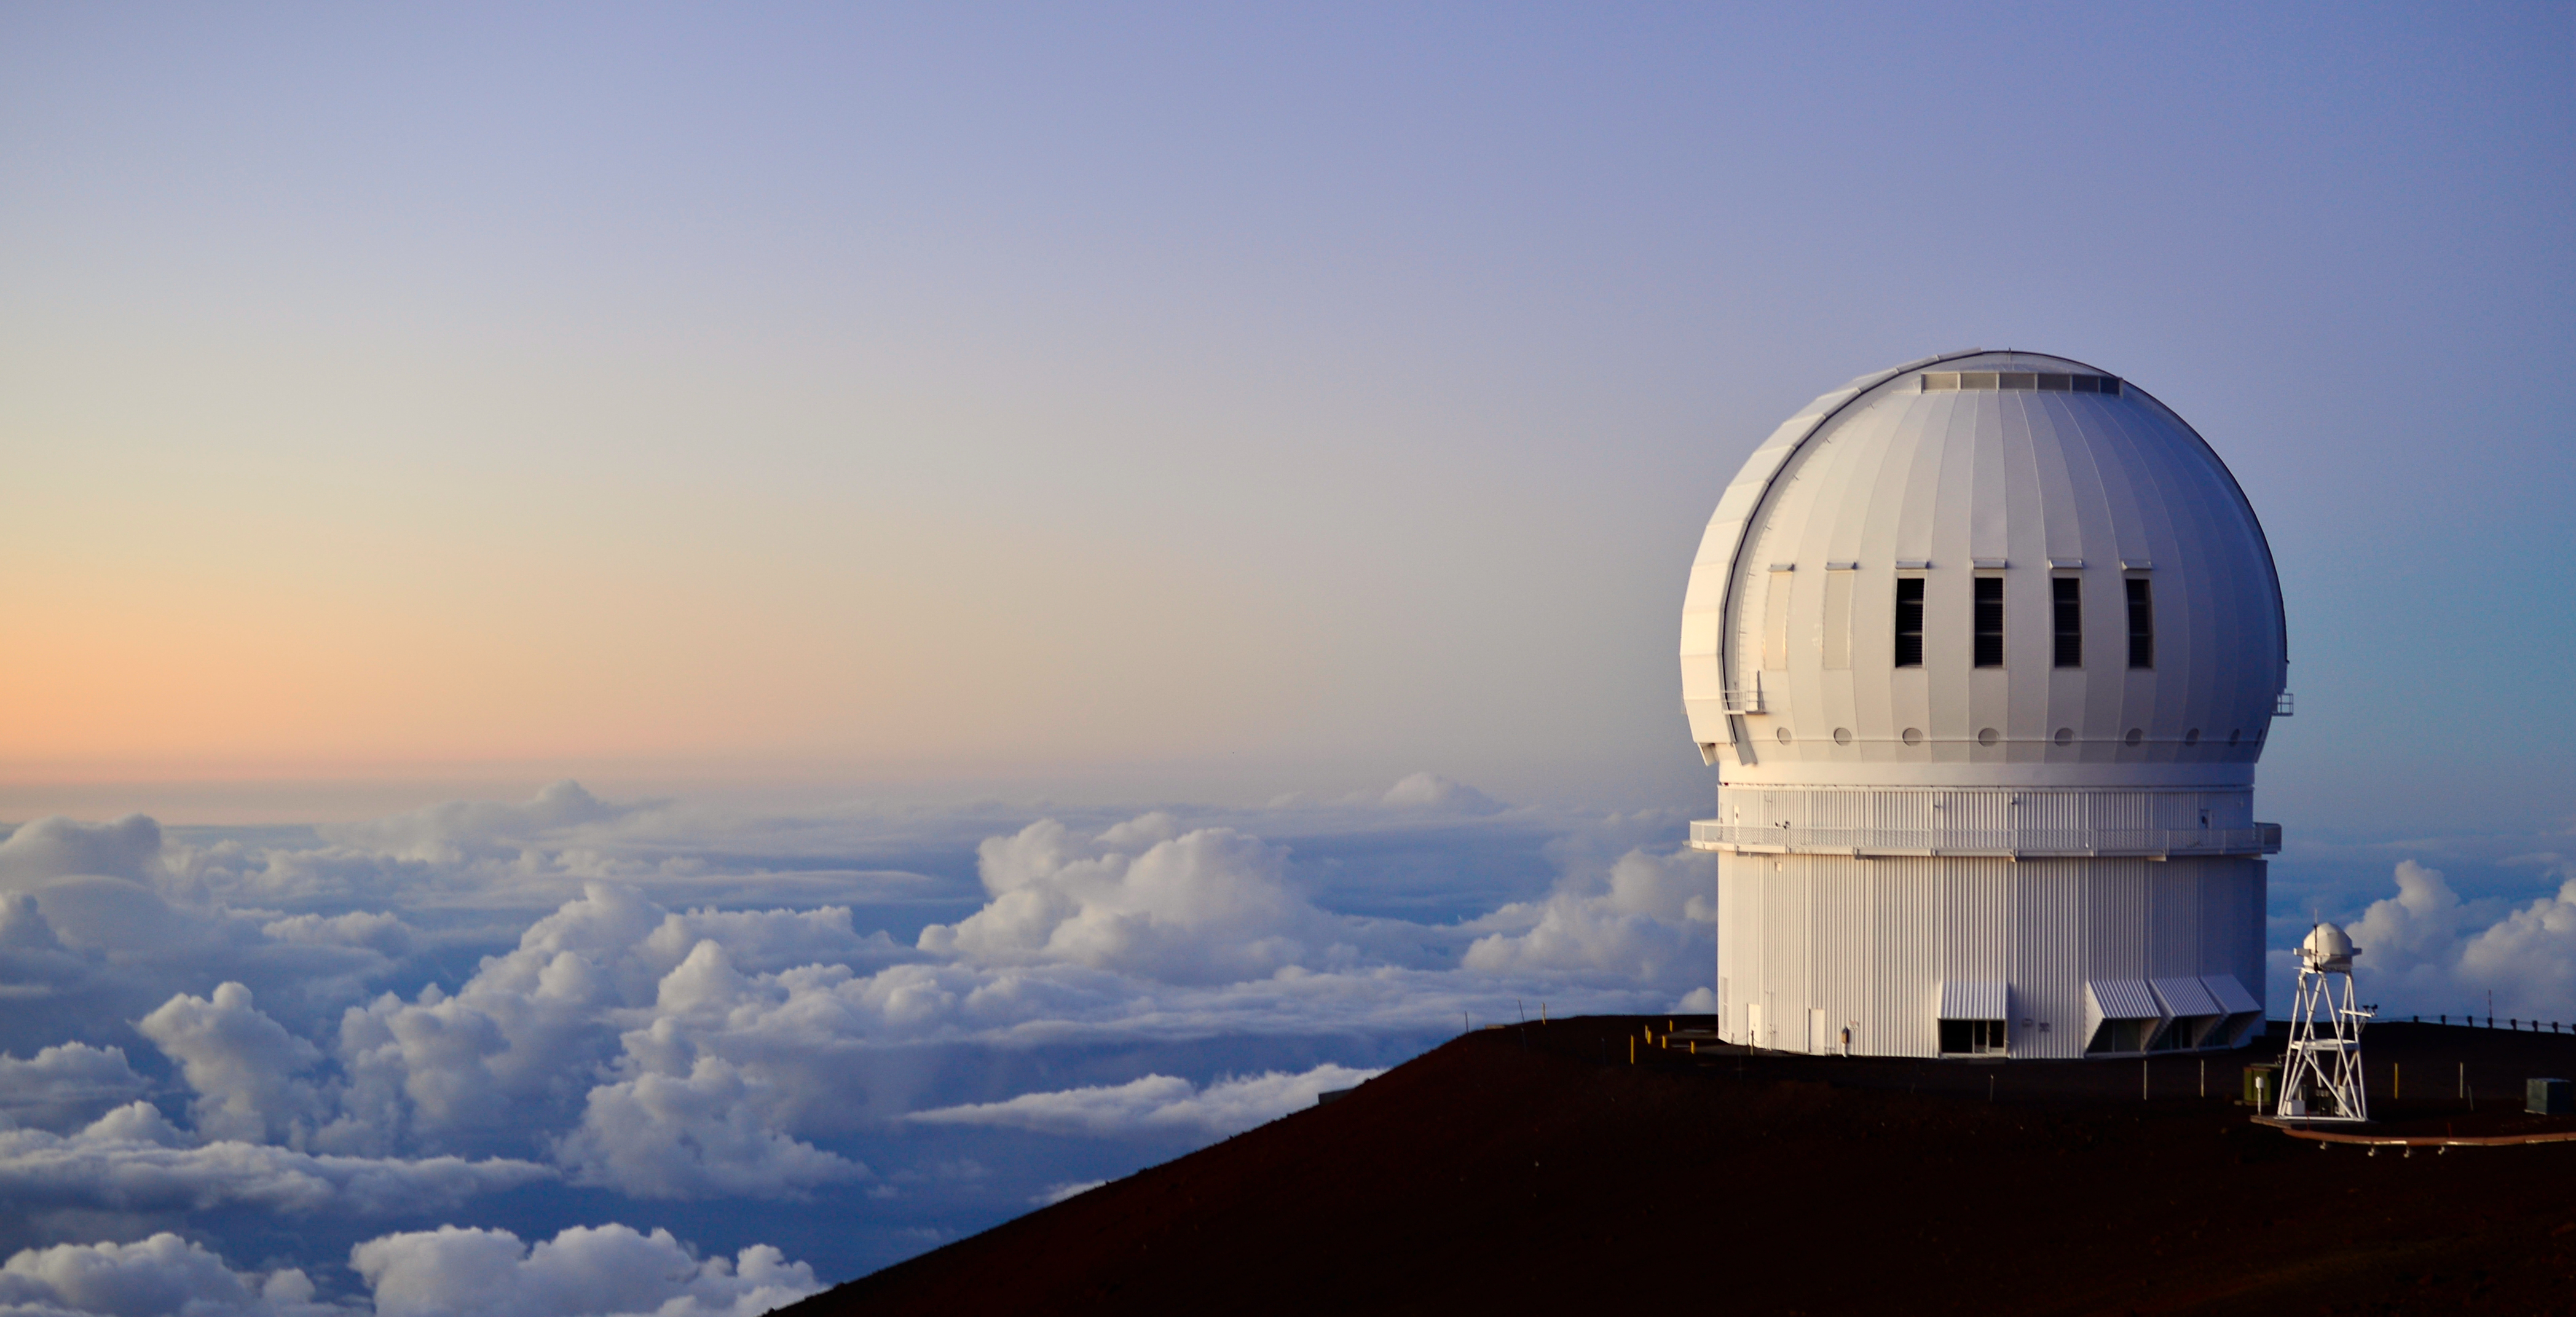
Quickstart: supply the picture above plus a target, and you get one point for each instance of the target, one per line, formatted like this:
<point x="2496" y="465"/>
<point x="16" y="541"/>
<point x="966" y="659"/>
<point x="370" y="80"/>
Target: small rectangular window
<point x="1972" y="1037"/>
<point x="1990" y="621"/>
<point x="2067" y="598"/>
<point x="2142" y="626"/>
<point x="1909" y="622"/>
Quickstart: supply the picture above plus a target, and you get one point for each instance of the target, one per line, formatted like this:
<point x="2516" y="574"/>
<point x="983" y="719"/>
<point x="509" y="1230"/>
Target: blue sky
<point x="1161" y="402"/>
<point x="844" y="439"/>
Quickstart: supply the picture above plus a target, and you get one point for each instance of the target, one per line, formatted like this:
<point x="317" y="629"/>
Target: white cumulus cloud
<point x="65" y="1086"/>
<point x="95" y="923"/>
<point x="1649" y="920"/>
<point x="1156" y="1104"/>
<point x="133" y="1159"/>
<point x="163" y="1274"/>
<point x="521" y="1041"/>
<point x="56" y="847"/>
<point x="34" y="963"/>
<point x="2425" y="946"/>
<point x="457" y="829"/>
<point x="1432" y="793"/>
<point x="241" y="1063"/>
<point x="586" y="1270"/>
<point x="1145" y="898"/>
<point x="362" y="928"/>
<point x="701" y="1135"/>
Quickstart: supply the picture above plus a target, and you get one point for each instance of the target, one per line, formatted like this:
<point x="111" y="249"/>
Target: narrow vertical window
<point x="1909" y="622"/>
<point x="2067" y="601"/>
<point x="2142" y="626"/>
<point x="1990" y="621"/>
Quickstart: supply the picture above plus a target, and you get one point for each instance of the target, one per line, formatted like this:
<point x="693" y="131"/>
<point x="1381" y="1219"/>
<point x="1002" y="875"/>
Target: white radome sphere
<point x="2327" y="946"/>
<point x="2011" y="465"/>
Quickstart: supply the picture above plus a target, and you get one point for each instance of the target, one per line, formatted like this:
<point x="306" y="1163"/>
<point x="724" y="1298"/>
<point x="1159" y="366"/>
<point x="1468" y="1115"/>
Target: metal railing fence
<point x="2260" y="839"/>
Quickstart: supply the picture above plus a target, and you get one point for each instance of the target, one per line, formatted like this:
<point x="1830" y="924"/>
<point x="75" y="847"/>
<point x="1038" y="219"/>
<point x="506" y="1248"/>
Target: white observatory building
<point x="1985" y="648"/>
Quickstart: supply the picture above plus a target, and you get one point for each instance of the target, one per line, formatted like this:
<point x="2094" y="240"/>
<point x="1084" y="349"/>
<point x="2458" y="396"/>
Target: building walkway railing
<point x="2015" y="843"/>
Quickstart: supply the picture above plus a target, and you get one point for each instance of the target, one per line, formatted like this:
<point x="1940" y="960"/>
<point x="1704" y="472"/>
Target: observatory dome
<point x="1984" y="569"/>
<point x="1985" y="648"/>
<point x="2327" y="944"/>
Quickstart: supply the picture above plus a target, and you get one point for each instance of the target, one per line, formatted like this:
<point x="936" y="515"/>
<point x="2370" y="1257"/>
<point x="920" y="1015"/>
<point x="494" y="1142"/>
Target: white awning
<point x="2124" y="999"/>
<point x="1978" y="1000"/>
<point x="2186" y="997"/>
<point x="2231" y="994"/>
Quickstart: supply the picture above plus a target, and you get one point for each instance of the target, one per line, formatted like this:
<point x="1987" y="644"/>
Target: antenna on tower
<point x="2321" y="1074"/>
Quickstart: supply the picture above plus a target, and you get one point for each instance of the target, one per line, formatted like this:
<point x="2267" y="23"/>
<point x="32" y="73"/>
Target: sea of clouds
<point x="584" y="1056"/>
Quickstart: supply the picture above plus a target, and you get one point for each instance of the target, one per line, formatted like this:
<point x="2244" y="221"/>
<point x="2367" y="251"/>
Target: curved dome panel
<point x="2097" y="604"/>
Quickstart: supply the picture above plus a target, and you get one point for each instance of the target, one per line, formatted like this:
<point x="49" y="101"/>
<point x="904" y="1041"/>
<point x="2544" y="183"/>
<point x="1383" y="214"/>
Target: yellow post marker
<point x="2396" y="1082"/>
<point x="1632" y="1051"/>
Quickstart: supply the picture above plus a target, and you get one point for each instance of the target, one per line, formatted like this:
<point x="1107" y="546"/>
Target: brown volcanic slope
<point x="1515" y="1171"/>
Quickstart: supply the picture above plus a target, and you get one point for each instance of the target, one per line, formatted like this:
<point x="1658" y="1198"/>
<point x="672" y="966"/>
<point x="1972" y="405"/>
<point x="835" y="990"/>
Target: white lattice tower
<point x="2321" y="1074"/>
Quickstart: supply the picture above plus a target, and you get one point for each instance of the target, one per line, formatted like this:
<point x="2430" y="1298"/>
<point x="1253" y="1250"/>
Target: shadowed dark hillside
<point x="1535" y="1170"/>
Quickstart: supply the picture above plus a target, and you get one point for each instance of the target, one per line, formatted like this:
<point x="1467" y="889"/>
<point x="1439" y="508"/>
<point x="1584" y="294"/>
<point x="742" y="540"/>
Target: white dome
<point x="2016" y="467"/>
<point x="2327" y="945"/>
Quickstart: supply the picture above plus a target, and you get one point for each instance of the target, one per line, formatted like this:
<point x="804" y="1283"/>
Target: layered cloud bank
<point x="479" y="1013"/>
<point x="133" y="1159"/>
<point x="1156" y="1104"/>
<point x="449" y="1272"/>
<point x="2429" y="950"/>
<point x="152" y="1276"/>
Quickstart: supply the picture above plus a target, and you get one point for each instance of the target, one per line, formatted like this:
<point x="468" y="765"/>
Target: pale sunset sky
<point x="1187" y="403"/>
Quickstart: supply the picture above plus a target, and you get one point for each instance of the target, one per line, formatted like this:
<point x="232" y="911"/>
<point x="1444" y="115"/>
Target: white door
<point x="1817" y="1041"/>
<point x="1753" y="1024"/>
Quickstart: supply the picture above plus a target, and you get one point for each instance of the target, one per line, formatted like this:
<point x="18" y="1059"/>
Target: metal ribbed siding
<point x="1871" y="941"/>
<point x="2054" y="811"/>
<point x="2049" y="909"/>
<point x="2173" y="924"/>
<point x="2231" y="905"/>
<point x="2095" y="821"/>
<point x="1974" y="811"/>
